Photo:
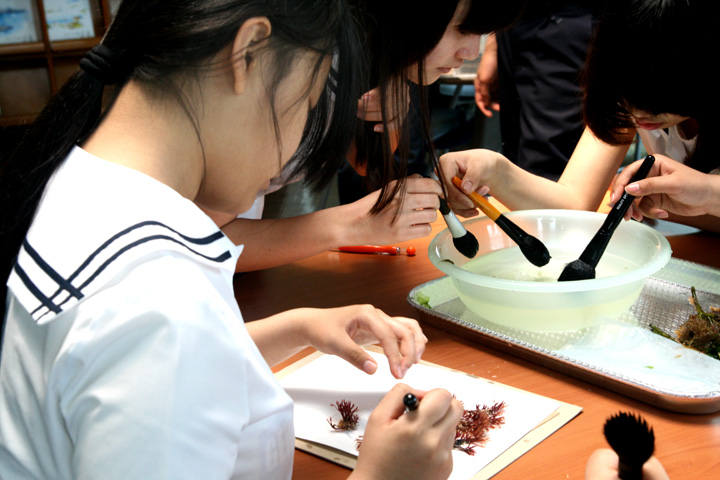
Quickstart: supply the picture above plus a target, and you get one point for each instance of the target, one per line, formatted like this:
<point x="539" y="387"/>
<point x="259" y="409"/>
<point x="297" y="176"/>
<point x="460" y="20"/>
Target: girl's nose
<point x="470" y="48"/>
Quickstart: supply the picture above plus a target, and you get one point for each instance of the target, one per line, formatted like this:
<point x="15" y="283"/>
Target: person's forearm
<point x="280" y="336"/>
<point x="272" y="242"/>
<point x="714" y="207"/>
<point x="589" y="172"/>
<point x="519" y="189"/>
<point x="710" y="223"/>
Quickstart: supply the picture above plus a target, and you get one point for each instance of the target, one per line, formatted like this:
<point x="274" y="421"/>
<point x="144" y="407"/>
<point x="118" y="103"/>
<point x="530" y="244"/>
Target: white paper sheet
<point x="329" y="379"/>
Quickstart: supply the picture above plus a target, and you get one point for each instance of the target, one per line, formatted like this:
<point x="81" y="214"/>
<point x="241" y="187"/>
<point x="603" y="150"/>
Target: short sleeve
<point x="155" y="386"/>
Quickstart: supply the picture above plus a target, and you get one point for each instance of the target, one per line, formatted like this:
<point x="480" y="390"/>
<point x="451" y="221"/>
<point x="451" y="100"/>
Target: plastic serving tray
<point x="663" y="303"/>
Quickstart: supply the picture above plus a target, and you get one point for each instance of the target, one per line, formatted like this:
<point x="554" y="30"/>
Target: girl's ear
<point x="249" y="39"/>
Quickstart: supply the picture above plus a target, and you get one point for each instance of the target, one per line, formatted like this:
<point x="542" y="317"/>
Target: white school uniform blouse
<point x="125" y="355"/>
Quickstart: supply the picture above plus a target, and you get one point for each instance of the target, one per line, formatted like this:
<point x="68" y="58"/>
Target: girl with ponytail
<point x="124" y="353"/>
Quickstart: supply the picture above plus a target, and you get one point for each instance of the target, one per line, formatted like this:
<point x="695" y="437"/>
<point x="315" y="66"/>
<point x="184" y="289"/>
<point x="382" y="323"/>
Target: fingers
<point x="603" y="465"/>
<point x="401" y="339"/>
<point x="418" y="184"/>
<point x="651" y="206"/>
<point x="416" y="444"/>
<point x="622" y="179"/>
<point x="402" y="326"/>
<point x="370" y="109"/>
<point x="651" y="185"/>
<point x="391" y="406"/>
<point x="476" y="169"/>
<point x="401" y="344"/>
<point x="439" y="408"/>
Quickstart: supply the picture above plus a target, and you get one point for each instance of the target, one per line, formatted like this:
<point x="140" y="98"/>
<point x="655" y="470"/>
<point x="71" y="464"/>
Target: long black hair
<point x="399" y="34"/>
<point x="655" y="56"/>
<point x="159" y="44"/>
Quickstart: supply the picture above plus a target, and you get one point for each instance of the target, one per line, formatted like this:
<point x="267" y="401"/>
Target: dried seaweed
<point x="472" y="431"/>
<point x="348" y="416"/>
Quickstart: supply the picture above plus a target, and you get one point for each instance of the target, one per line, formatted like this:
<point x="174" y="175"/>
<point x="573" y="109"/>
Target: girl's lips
<point x="444" y="71"/>
<point x="648" y="126"/>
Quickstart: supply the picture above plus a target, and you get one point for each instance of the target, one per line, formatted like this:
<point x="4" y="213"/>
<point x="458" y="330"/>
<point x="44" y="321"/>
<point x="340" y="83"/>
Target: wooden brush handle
<point x="480" y="201"/>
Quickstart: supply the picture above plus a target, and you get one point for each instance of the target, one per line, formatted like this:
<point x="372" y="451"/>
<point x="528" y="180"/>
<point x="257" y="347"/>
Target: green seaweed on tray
<point x="701" y="331"/>
<point x="423" y="300"/>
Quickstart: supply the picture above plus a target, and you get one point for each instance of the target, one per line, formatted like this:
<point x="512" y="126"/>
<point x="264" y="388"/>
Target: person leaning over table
<point x="664" y="91"/>
<point x="124" y="353"/>
<point x="428" y="42"/>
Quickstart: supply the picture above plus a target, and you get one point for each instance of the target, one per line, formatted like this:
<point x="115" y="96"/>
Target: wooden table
<point x="687" y="445"/>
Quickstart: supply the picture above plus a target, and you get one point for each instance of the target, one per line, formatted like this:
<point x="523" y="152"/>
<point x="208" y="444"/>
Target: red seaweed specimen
<point x="472" y="430"/>
<point x="470" y="433"/>
<point x="348" y="416"/>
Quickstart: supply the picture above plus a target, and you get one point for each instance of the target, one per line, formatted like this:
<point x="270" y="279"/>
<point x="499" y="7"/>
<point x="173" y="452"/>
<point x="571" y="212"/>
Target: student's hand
<point x="603" y="465"/>
<point x="476" y="168"/>
<point x="486" y="79"/>
<point x="414" y="445"/>
<point x="343" y="331"/>
<point x="416" y="209"/>
<point x="670" y="187"/>
<point x="370" y="110"/>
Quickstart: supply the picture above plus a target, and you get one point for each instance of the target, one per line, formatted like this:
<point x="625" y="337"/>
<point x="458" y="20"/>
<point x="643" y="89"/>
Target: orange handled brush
<point x="381" y="249"/>
<point x="533" y="249"/>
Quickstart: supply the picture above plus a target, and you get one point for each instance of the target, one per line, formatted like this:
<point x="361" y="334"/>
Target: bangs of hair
<point x="489" y="16"/>
<point x="669" y="76"/>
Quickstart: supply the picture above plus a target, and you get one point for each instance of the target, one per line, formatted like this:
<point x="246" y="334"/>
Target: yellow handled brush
<point x="534" y="250"/>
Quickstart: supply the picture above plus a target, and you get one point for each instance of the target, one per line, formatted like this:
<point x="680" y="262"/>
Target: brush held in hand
<point x="464" y="241"/>
<point x="584" y="267"/>
<point x="532" y="248"/>
<point x="633" y="441"/>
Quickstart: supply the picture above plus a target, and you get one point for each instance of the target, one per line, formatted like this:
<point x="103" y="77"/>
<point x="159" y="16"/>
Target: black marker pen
<point x="411" y="402"/>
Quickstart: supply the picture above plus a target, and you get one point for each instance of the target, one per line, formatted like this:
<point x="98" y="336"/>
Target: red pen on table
<point x="379" y="249"/>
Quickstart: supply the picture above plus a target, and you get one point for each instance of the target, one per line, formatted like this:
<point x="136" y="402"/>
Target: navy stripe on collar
<point x="67" y="288"/>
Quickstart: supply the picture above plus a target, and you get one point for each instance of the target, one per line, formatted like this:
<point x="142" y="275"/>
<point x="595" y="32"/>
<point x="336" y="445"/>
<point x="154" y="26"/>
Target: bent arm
<point x="272" y="242"/>
<point x="582" y="185"/>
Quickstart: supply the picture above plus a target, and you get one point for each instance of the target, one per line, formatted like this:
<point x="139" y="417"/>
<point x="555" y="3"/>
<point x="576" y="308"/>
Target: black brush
<point x="464" y="241"/>
<point x="584" y="267"/>
<point x="532" y="248"/>
<point x="634" y="442"/>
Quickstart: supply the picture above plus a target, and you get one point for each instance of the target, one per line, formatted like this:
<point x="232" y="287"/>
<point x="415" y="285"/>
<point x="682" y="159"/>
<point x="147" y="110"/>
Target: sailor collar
<point x="96" y="219"/>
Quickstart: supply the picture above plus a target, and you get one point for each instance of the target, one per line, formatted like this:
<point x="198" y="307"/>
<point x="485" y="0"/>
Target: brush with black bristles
<point x="634" y="442"/>
<point x="531" y="247"/>
<point x="464" y="241"/>
<point x="584" y="267"/>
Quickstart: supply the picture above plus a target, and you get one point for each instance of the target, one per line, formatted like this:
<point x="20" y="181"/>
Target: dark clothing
<point x="539" y="63"/>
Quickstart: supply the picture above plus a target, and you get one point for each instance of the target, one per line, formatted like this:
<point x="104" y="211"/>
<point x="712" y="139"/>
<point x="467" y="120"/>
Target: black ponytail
<point x="159" y="44"/>
<point x="68" y="118"/>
